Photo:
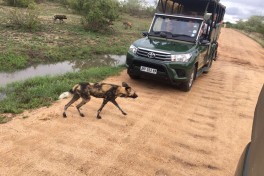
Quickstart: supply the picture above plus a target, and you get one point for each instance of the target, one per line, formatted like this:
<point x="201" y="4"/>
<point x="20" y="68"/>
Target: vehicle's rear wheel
<point x="186" y="86"/>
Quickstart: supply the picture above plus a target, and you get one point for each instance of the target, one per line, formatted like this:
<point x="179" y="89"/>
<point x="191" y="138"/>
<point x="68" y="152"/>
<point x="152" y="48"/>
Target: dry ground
<point x="166" y="131"/>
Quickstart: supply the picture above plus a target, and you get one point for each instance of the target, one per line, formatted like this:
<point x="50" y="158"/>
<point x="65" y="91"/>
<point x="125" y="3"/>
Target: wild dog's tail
<point x="67" y="94"/>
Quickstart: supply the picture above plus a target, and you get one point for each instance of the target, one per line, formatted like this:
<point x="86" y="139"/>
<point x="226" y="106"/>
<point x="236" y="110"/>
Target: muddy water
<point x="60" y="68"/>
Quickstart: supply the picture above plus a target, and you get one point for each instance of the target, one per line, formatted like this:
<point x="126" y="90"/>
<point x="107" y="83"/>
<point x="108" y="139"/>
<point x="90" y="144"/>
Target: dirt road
<point x="166" y="132"/>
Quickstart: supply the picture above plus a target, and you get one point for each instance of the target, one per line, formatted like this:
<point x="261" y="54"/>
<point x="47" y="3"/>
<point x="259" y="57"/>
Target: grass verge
<point x="255" y="36"/>
<point x="42" y="91"/>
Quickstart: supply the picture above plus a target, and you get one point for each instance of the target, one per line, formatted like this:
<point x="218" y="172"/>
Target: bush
<point x="98" y="15"/>
<point x="19" y="3"/>
<point x="253" y="24"/>
<point x="28" y="19"/>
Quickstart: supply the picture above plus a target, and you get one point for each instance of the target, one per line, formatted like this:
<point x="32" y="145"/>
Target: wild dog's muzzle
<point x="134" y="95"/>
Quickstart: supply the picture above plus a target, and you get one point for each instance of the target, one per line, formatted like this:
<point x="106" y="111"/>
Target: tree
<point x="253" y="24"/>
<point x="257" y="23"/>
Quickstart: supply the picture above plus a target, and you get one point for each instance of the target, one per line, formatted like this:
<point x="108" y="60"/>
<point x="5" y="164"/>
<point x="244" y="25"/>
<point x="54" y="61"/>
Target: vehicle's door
<point x="203" y="49"/>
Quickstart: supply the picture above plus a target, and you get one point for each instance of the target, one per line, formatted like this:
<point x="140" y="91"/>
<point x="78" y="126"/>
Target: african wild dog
<point x="127" y="24"/>
<point x="59" y="17"/>
<point x="109" y="92"/>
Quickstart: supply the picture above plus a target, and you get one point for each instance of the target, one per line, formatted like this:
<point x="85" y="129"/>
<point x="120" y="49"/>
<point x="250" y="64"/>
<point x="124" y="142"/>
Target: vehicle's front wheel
<point x="133" y="76"/>
<point x="215" y="54"/>
<point x="186" y="86"/>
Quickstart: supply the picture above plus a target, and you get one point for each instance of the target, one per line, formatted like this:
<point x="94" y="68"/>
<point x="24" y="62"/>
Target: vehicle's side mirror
<point x="205" y="42"/>
<point x="145" y="33"/>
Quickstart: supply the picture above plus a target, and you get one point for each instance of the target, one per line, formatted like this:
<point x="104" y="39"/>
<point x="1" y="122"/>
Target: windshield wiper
<point x="163" y="34"/>
<point x="157" y="33"/>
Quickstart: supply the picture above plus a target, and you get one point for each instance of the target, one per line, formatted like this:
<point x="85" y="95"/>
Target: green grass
<point x="42" y="91"/>
<point x="62" y="41"/>
<point x="10" y="61"/>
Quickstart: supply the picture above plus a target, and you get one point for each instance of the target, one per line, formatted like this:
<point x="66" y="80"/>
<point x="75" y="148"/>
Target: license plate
<point x="148" y="70"/>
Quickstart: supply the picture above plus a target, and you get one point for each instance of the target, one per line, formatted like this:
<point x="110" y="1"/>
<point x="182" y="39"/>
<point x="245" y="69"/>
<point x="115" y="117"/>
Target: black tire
<point x="131" y="75"/>
<point x="208" y="65"/>
<point x="215" y="52"/>
<point x="186" y="86"/>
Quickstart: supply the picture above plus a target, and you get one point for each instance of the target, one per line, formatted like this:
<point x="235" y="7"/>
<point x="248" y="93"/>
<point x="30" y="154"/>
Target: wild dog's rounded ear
<point x="124" y="84"/>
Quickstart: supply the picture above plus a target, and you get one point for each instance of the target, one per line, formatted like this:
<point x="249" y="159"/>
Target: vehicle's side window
<point x="203" y="31"/>
<point x="158" y="24"/>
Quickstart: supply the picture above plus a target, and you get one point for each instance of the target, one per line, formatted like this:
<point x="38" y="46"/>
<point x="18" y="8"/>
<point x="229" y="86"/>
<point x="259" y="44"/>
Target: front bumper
<point x="167" y="71"/>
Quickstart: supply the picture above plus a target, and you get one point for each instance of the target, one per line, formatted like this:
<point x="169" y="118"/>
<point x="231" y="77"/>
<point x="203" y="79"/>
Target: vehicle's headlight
<point x="181" y="57"/>
<point x="133" y="49"/>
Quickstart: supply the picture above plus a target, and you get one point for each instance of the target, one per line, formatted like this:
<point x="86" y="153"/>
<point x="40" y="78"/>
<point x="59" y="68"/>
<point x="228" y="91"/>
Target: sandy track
<point x="166" y="131"/>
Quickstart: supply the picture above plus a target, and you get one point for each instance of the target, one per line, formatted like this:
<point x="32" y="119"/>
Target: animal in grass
<point x="59" y="17"/>
<point x="127" y="24"/>
<point x="109" y="92"/>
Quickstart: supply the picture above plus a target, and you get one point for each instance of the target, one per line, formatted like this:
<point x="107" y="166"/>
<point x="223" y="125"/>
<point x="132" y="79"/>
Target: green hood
<point x="164" y="45"/>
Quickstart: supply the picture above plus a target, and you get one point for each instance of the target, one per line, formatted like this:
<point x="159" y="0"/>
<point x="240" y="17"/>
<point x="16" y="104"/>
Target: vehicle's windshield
<point x="176" y="27"/>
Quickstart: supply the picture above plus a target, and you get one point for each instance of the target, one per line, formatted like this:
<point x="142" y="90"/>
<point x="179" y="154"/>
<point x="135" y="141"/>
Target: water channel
<point x="60" y="68"/>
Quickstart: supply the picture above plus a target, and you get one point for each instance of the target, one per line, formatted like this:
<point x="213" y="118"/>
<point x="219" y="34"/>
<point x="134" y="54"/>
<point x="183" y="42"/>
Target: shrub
<point x="19" y="3"/>
<point x="253" y="24"/>
<point x="98" y="15"/>
<point x="28" y="19"/>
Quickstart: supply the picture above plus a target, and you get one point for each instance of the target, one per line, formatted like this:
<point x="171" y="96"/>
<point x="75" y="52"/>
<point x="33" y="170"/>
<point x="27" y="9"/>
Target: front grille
<point x="153" y="54"/>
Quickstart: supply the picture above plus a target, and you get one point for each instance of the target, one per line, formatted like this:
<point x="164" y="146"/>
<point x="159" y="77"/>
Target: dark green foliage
<point x="97" y="15"/>
<point x="229" y="25"/>
<point x="19" y="3"/>
<point x="253" y="24"/>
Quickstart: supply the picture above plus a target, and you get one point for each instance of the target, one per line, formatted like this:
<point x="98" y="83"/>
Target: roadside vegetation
<point x="253" y="27"/>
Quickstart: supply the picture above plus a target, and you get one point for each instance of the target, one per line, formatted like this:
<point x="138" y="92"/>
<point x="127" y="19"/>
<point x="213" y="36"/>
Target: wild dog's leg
<point x="101" y="108"/>
<point x="85" y="99"/>
<point x="74" y="98"/>
<point x="115" y="103"/>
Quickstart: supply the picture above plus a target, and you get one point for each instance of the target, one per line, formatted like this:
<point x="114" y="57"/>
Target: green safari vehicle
<point x="181" y="42"/>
